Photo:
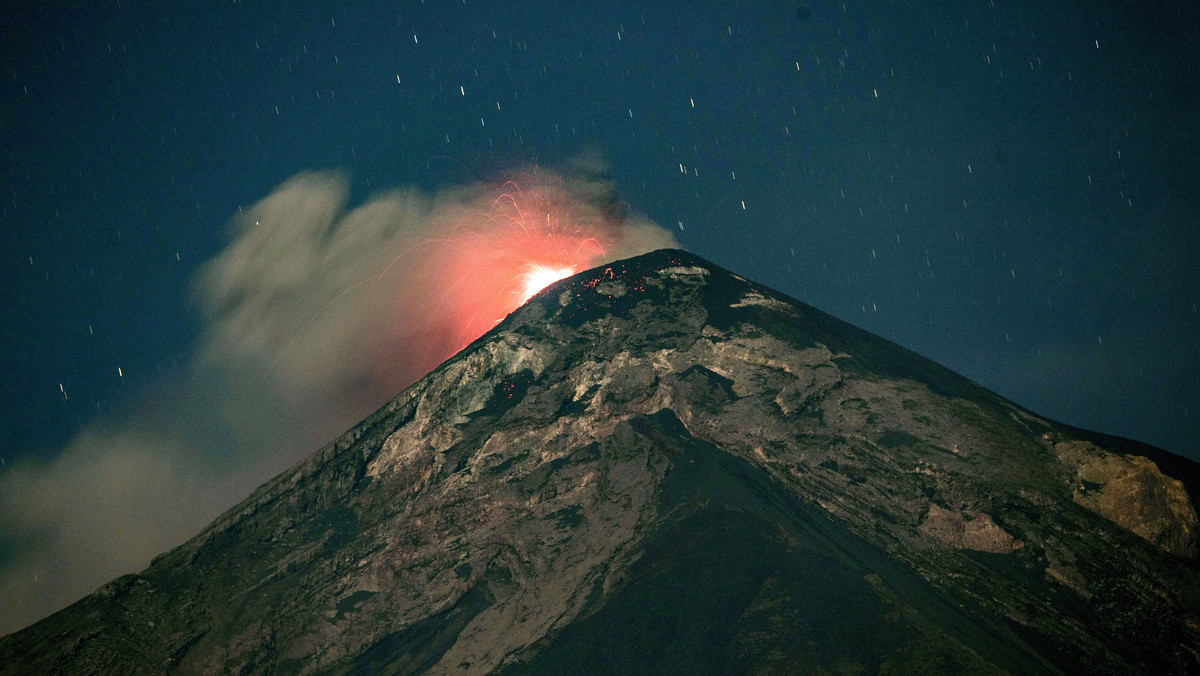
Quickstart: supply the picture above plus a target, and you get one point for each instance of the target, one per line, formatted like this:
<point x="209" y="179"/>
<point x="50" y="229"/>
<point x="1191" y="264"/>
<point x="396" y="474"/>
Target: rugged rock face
<point x="1133" y="492"/>
<point x="658" y="466"/>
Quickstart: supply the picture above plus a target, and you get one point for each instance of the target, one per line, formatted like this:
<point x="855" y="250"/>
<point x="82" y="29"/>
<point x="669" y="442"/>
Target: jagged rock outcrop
<point x="658" y="466"/>
<point x="1131" y="490"/>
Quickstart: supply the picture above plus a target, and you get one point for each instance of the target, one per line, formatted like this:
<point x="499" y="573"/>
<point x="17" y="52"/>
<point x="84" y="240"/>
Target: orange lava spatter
<point x="492" y="262"/>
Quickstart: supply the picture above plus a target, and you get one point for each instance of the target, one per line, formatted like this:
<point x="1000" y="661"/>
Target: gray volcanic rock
<point x="660" y="467"/>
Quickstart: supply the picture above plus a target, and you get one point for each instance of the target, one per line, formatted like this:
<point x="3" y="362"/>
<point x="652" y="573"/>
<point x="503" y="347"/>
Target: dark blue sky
<point x="1010" y="188"/>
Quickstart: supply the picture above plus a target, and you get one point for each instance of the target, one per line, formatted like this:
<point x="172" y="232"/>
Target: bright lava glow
<point x="540" y="276"/>
<point x="479" y="253"/>
<point x="488" y="260"/>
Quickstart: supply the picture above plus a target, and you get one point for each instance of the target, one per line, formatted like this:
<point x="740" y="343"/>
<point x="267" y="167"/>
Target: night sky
<point x="1007" y="187"/>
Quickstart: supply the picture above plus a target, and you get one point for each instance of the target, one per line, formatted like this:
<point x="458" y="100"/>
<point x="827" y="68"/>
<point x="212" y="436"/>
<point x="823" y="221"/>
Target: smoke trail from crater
<point x="313" y="315"/>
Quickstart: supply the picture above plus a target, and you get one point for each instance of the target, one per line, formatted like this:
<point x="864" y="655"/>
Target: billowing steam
<point x="314" y="316"/>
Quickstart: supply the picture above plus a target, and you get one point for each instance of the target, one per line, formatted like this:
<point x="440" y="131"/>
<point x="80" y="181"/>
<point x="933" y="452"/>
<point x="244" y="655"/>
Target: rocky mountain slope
<point x="660" y="467"/>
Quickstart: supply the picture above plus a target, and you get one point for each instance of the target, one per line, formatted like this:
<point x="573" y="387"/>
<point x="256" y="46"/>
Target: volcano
<point x="657" y="466"/>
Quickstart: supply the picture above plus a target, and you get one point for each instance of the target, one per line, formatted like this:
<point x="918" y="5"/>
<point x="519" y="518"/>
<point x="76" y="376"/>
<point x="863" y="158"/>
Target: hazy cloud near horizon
<point x="314" y="315"/>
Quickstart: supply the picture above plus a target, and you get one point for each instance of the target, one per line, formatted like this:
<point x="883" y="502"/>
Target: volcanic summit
<point x="657" y="466"/>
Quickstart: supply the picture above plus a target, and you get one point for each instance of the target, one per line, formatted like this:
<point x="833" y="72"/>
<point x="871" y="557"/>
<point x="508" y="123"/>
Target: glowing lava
<point x="540" y="276"/>
<point x="486" y="261"/>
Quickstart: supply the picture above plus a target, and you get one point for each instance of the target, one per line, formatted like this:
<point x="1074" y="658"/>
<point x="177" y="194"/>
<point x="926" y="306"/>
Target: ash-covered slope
<point x="658" y="466"/>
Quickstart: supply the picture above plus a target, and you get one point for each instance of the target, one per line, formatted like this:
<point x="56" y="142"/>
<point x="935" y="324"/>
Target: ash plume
<point x="313" y="315"/>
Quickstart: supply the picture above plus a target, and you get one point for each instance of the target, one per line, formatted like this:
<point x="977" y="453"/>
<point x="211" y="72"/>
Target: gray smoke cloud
<point x="314" y="315"/>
